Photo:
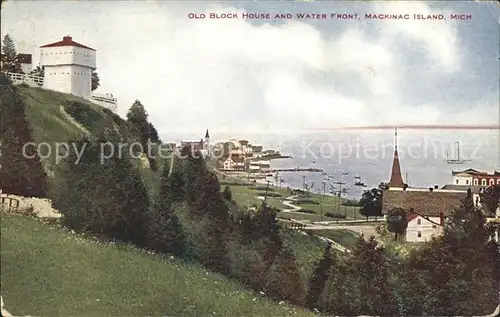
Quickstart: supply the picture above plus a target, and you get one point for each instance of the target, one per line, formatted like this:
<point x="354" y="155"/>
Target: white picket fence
<point x="18" y="78"/>
<point x="104" y="100"/>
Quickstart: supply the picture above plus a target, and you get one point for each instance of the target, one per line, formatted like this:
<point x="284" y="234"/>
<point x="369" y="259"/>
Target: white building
<point x="234" y="162"/>
<point x="422" y="229"/>
<point x="68" y="67"/>
<point x="462" y="178"/>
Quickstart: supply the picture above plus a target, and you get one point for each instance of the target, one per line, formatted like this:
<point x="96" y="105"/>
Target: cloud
<point x="438" y="37"/>
<point x="234" y="75"/>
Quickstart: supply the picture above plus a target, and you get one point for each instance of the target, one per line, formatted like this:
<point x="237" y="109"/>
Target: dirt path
<point x="287" y="201"/>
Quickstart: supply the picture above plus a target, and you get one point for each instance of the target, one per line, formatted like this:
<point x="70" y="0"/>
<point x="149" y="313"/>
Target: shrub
<point x="83" y="114"/>
<point x="302" y="201"/>
<point x="335" y="215"/>
<point x="351" y="203"/>
<point x="306" y="211"/>
<point x="226" y="193"/>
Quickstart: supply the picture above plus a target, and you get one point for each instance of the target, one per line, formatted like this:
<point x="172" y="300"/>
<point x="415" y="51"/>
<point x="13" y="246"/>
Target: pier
<point x="297" y="169"/>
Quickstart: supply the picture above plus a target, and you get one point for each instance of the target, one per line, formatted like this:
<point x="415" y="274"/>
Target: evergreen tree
<point x="153" y="134"/>
<point x="456" y="273"/>
<point x="134" y="199"/>
<point x="362" y="286"/>
<point x="215" y="253"/>
<point x="227" y="193"/>
<point x="10" y="59"/>
<point x="490" y="198"/>
<point x="165" y="232"/>
<point x="37" y="71"/>
<point x="272" y="246"/>
<point x="95" y="80"/>
<point x="171" y="185"/>
<point x="20" y="173"/>
<point x="138" y="117"/>
<point x="146" y="132"/>
<point x="319" y="277"/>
<point x="107" y="198"/>
<point x="195" y="172"/>
<point x="267" y="223"/>
<point x="283" y="280"/>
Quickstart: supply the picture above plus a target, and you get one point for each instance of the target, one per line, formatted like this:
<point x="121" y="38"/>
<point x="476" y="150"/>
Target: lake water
<point x="369" y="155"/>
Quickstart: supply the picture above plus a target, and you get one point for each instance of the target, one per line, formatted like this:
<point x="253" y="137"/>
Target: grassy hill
<point x="56" y="118"/>
<point x="116" y="280"/>
<point x="47" y="271"/>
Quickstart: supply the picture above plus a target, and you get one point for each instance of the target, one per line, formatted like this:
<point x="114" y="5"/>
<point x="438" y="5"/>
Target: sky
<point x="279" y="75"/>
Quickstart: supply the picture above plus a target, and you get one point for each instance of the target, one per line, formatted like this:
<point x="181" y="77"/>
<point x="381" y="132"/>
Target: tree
<point x="20" y="173"/>
<point x="37" y="71"/>
<point x="227" y="193"/>
<point x="397" y="223"/>
<point x="10" y="59"/>
<point x="371" y="203"/>
<point x="153" y="134"/>
<point x="319" y="277"/>
<point x="490" y="198"/>
<point x="95" y="80"/>
<point x="283" y="279"/>
<point x="145" y="131"/>
<point x="107" y="198"/>
<point x="165" y="232"/>
<point x="171" y="185"/>
<point x="361" y="286"/>
<point x="456" y="274"/>
<point x="138" y="116"/>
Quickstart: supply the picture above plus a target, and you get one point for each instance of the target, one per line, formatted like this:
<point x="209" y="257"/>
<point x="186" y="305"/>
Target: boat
<point x="358" y="182"/>
<point x="456" y="160"/>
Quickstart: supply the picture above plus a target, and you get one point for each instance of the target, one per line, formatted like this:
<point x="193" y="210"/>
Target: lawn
<point x="49" y="272"/>
<point x="246" y="195"/>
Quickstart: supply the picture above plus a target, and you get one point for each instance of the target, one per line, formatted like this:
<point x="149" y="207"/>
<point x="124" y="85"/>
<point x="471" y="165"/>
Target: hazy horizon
<point x="247" y="75"/>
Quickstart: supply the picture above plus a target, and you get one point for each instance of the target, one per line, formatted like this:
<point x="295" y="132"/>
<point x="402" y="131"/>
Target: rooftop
<point x="67" y="41"/>
<point x="474" y="189"/>
<point x="471" y="171"/>
<point x="423" y="202"/>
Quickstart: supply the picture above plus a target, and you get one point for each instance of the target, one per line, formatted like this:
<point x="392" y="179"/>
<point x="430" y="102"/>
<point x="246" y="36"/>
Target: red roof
<point x="67" y="41"/>
<point x="396" y="178"/>
<point x="410" y="216"/>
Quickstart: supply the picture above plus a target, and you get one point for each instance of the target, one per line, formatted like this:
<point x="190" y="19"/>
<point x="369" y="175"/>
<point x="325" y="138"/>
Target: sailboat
<point x="358" y="182"/>
<point x="457" y="160"/>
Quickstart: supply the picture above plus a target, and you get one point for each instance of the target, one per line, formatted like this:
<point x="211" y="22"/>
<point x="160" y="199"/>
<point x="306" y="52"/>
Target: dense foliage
<point x="21" y="171"/>
<point x="10" y="58"/>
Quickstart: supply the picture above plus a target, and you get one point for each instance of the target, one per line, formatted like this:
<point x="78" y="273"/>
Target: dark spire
<point x="206" y="135"/>
<point x="396" y="178"/>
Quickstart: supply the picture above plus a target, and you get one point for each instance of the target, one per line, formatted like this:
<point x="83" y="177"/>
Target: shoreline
<point x="243" y="180"/>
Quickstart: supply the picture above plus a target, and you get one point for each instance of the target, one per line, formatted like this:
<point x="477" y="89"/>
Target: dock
<point x="297" y="169"/>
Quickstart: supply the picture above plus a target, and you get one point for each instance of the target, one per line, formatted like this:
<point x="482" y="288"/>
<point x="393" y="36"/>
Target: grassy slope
<point x="50" y="125"/>
<point x="46" y="271"/>
<point x="346" y="238"/>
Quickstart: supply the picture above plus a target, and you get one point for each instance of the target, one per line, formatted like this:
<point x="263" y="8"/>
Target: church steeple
<point x="396" y="178"/>
<point x="206" y="135"/>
